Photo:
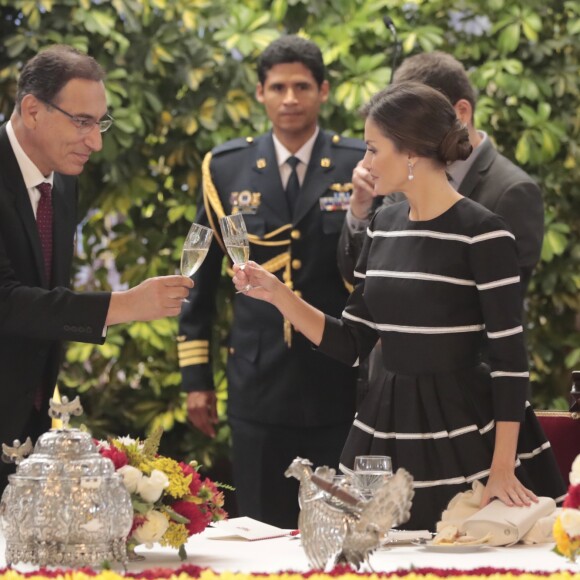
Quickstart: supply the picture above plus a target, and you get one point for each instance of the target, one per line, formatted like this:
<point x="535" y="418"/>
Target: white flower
<point x="131" y="477"/>
<point x="152" y="529"/>
<point x="575" y="473"/>
<point x="570" y="520"/>
<point x="150" y="488"/>
<point x="127" y="441"/>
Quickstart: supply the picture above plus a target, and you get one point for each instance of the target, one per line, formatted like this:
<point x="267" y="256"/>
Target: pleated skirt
<point x="440" y="428"/>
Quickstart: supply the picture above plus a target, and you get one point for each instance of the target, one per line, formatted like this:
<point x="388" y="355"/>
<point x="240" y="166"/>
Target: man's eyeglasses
<point x="84" y="124"/>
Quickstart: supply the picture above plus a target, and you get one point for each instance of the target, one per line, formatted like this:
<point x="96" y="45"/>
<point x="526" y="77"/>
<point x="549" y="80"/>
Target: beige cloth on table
<point x="506" y="525"/>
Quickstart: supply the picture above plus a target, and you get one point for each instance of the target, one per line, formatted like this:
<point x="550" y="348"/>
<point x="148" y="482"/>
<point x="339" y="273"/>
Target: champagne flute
<point x="236" y="240"/>
<point x="370" y="472"/>
<point x="195" y="249"/>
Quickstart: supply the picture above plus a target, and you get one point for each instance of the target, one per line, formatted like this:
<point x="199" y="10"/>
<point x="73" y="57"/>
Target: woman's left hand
<point x="504" y="485"/>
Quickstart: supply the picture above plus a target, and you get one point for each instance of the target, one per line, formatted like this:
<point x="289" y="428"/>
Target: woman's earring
<point x="410" y="177"/>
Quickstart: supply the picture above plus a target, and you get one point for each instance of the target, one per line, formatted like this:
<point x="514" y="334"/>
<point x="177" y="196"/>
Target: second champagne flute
<point x="236" y="240"/>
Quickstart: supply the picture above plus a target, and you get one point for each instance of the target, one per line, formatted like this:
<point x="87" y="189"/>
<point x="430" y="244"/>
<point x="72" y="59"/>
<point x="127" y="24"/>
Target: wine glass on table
<point x="236" y="240"/>
<point x="370" y="472"/>
<point x="195" y="249"/>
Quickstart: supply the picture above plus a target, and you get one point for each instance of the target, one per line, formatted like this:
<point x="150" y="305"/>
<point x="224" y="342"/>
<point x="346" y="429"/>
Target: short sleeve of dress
<point x="494" y="263"/>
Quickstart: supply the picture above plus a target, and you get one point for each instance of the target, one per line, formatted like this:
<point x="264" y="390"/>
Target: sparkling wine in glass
<point x="370" y="472"/>
<point x="236" y="240"/>
<point x="195" y="249"/>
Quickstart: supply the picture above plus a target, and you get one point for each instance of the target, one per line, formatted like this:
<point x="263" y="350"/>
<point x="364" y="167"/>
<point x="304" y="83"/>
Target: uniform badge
<point x="325" y="162"/>
<point x="261" y="163"/>
<point x="246" y="202"/>
<point x="339" y="200"/>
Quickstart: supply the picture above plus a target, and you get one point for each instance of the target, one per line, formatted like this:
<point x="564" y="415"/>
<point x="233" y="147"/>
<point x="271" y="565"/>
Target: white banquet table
<point x="286" y="554"/>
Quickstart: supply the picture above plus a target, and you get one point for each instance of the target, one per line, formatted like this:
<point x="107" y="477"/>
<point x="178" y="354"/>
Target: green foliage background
<point x="181" y="80"/>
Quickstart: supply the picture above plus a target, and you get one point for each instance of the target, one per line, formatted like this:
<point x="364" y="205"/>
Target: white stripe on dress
<point x="431" y="329"/>
<point x="421" y="436"/>
<point x="464" y="479"/>
<point x="440" y="235"/>
<point x="522" y="375"/>
<point x="498" y="283"/>
<point x="535" y="451"/>
<point x="414" y="329"/>
<point x="420" y="276"/>
<point x="507" y="332"/>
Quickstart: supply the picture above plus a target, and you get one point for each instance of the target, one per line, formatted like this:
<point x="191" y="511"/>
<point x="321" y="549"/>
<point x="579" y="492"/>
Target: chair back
<point x="562" y="428"/>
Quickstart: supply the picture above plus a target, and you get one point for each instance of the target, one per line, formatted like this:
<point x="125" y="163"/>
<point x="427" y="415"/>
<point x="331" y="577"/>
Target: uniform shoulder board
<point x="347" y="142"/>
<point x="233" y="145"/>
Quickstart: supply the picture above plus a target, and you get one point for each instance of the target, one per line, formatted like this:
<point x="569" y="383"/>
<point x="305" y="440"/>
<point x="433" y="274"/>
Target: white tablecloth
<point x="281" y="554"/>
<point x="286" y="553"/>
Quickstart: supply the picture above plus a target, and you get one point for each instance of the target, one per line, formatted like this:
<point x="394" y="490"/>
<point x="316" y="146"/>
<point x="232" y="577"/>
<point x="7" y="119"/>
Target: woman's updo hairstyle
<point x="419" y="120"/>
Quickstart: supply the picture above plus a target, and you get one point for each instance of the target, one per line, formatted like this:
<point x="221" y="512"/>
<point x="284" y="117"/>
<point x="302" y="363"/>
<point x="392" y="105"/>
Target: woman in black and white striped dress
<point x="439" y="281"/>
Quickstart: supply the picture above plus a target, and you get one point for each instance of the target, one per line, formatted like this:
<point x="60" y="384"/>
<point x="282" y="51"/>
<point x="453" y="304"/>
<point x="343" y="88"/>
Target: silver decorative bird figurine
<point x="338" y="526"/>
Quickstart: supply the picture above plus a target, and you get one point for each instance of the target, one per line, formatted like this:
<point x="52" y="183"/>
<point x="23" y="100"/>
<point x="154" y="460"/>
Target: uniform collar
<point x="304" y="153"/>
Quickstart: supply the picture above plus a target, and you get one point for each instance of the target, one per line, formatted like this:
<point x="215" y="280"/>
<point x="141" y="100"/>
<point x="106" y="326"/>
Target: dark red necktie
<point x="44" y="224"/>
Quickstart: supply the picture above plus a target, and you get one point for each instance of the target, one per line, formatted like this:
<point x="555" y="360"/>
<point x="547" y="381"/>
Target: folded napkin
<point x="499" y="524"/>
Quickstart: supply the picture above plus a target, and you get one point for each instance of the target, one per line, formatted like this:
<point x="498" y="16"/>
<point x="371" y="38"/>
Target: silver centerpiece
<point x="339" y="526"/>
<point x="65" y="505"/>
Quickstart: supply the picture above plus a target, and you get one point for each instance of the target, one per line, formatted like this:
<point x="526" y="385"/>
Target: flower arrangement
<point x="567" y="525"/>
<point x="171" y="501"/>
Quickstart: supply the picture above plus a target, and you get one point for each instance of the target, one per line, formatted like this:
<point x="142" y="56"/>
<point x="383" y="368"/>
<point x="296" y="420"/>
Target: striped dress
<point x="437" y="293"/>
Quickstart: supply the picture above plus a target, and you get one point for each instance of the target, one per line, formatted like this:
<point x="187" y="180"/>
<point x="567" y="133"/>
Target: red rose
<point x="119" y="458"/>
<point x="573" y="498"/>
<point x="198" y="518"/>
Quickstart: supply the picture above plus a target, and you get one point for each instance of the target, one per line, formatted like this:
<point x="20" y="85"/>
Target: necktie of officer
<point x="293" y="185"/>
<point x="44" y="225"/>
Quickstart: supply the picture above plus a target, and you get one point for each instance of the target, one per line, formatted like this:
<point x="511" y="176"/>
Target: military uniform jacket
<point x="269" y="381"/>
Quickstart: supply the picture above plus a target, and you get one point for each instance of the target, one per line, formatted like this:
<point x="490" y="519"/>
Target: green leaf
<point x="509" y="38"/>
<point x="523" y="149"/>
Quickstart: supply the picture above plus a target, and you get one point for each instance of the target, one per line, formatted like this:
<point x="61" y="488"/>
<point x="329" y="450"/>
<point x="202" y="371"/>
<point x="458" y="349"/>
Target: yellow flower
<point x="178" y="482"/>
<point x="566" y="546"/>
<point x="175" y="536"/>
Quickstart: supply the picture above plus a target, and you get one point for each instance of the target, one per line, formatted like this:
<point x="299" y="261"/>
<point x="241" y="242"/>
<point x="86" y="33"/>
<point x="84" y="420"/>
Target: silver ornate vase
<point x="65" y="505"/>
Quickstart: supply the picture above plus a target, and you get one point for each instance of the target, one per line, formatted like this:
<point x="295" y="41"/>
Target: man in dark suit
<point x="486" y="177"/>
<point x="59" y="115"/>
<point x="284" y="398"/>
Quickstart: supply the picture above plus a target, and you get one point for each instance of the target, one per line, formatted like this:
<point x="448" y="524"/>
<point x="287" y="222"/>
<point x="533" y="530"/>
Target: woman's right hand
<point x="265" y="285"/>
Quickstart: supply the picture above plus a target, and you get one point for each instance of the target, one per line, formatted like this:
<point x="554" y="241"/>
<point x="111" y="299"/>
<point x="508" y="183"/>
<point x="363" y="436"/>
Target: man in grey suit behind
<point x="486" y="177"/>
<point x="60" y="113"/>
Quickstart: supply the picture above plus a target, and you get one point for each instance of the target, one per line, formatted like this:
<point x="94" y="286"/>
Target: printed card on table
<point x="245" y="528"/>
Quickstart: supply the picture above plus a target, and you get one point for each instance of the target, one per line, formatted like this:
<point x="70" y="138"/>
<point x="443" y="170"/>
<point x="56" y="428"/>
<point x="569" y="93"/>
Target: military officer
<point x="292" y="186"/>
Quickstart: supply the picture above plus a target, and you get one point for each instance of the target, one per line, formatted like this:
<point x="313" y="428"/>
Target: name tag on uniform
<point x="339" y="201"/>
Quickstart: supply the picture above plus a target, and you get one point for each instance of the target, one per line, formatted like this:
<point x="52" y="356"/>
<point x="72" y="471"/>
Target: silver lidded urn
<point x="65" y="505"/>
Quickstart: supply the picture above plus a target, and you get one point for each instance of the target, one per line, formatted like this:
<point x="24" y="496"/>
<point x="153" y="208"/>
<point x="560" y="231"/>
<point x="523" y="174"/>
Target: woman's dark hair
<point x="292" y="48"/>
<point x="419" y="120"/>
<point x="45" y="74"/>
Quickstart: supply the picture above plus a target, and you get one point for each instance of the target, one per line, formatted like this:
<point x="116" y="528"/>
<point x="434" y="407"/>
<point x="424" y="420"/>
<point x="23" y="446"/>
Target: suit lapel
<point x="266" y="178"/>
<point x="15" y="187"/>
<point x="318" y="177"/>
<point x="480" y="165"/>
